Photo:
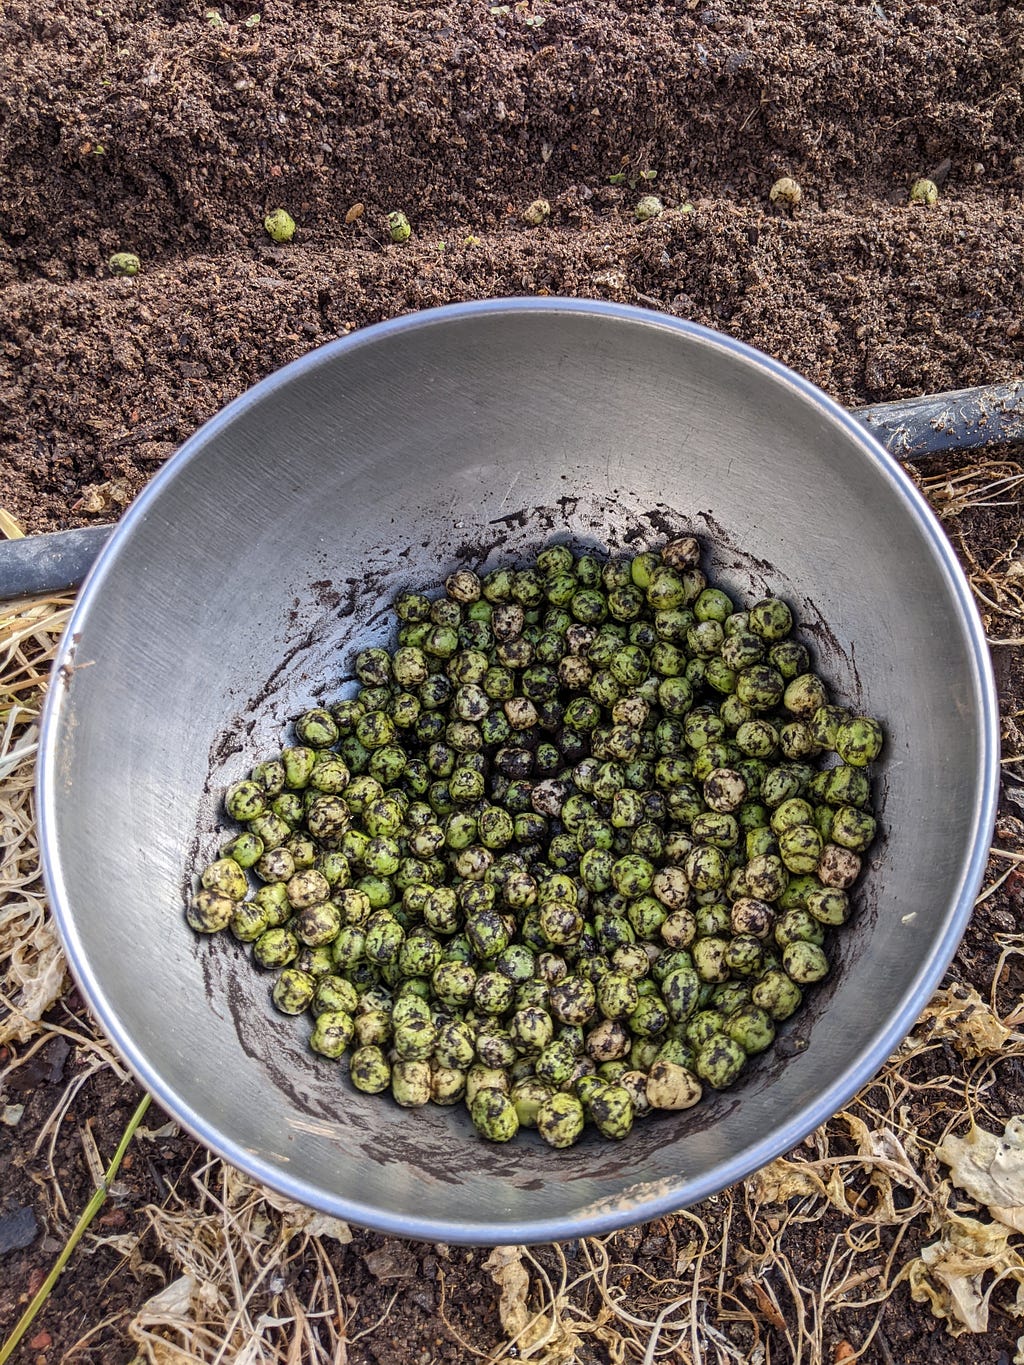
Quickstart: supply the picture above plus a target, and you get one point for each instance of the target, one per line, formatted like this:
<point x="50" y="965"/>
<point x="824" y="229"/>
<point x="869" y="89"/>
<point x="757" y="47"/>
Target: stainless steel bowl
<point x="237" y="589"/>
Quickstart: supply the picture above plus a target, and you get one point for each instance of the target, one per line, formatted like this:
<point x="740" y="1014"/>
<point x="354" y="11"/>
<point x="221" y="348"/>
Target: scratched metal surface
<point x="236" y="591"/>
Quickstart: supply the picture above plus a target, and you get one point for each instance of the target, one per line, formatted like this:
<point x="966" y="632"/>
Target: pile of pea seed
<point x="570" y="852"/>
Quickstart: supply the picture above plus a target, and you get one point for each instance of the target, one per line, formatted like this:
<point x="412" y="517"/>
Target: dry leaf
<point x="296" y="1218"/>
<point x="880" y="1150"/>
<point x="160" y="1352"/>
<point x="173" y="1301"/>
<point x="177" y="1307"/>
<point x="166" y="1130"/>
<point x="322" y="1225"/>
<point x="685" y="1257"/>
<point x="610" y="279"/>
<point x="506" y="1268"/>
<point x="768" y="1308"/>
<point x="98" y="498"/>
<point x="960" y="1016"/>
<point x="948" y="1274"/>
<point x="543" y="1337"/>
<point x="877" y="1144"/>
<point x="782" y="1180"/>
<point x="991" y="1169"/>
<point x="38" y="968"/>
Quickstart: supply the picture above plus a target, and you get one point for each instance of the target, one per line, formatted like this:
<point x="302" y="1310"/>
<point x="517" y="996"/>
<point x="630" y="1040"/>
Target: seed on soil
<point x="398" y="226"/>
<point x="124" y="263"/>
<point x="786" y="193"/>
<point x="649" y="206"/>
<point x="924" y="191"/>
<point x="536" y="213"/>
<point x="279" y="225"/>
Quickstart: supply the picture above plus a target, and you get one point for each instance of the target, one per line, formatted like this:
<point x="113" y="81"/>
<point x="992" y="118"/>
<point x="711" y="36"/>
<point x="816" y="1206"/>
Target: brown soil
<point x="143" y="127"/>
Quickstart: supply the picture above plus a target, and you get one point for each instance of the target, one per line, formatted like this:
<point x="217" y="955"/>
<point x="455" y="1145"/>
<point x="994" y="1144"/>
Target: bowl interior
<point x="241" y="584"/>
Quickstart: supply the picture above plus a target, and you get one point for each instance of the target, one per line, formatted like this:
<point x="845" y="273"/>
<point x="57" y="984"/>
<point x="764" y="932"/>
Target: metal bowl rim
<point x="778" y="1139"/>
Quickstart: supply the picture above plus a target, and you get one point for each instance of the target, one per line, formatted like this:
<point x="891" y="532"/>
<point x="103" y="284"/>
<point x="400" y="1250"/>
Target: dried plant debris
<point x="984" y="484"/>
<point x="107" y="499"/>
<point x="957" y="1274"/>
<point x="543" y="1335"/>
<point x="991" y="1169"/>
<point x="32" y="968"/>
<point x="958" y="1015"/>
<point x="550" y="1315"/>
<point x="782" y="1180"/>
<point x="233" y="1245"/>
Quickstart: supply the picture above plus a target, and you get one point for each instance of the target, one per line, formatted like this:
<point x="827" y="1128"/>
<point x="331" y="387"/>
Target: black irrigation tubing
<point x="55" y="562"/>
<point x="968" y="419"/>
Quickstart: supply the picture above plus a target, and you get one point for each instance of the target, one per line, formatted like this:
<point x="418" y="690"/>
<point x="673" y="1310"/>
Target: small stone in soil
<point x="392" y="1262"/>
<point x="45" y="1068"/>
<point x="18" y="1229"/>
